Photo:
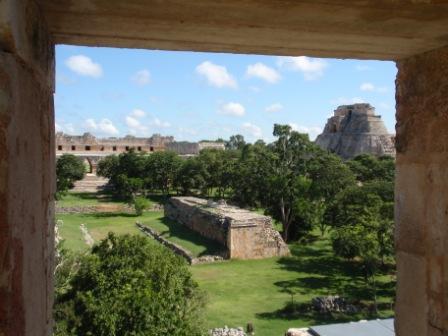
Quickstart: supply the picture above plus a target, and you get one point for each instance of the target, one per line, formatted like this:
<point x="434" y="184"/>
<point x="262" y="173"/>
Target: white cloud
<point x="277" y="107"/>
<point x="105" y="126"/>
<point x="252" y="129"/>
<point x="311" y="68"/>
<point x="135" y="125"/>
<point x="263" y="72"/>
<point x="141" y="77"/>
<point x="138" y="113"/>
<point x="216" y="75"/>
<point x="347" y="101"/>
<point x="67" y="128"/>
<point x="84" y="66"/>
<point x="312" y="131"/>
<point x="367" y="87"/>
<point x="232" y="109"/>
<point x="90" y="124"/>
<point x="156" y="122"/>
<point x="372" y="88"/>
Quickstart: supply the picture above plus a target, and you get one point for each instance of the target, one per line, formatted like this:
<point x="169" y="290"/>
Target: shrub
<point x="140" y="204"/>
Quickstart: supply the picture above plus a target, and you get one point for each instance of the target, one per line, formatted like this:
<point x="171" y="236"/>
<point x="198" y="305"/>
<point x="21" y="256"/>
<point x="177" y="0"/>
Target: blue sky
<point x="195" y="96"/>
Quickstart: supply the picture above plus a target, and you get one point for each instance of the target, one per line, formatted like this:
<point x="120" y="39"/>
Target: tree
<point x="250" y="174"/>
<point x="329" y="175"/>
<point x="130" y="286"/>
<point x="125" y="172"/>
<point x="191" y="176"/>
<point x="362" y="219"/>
<point x="235" y="142"/>
<point x="69" y="169"/>
<point x="289" y="184"/>
<point x="367" y="167"/>
<point x="108" y="166"/>
<point x="161" y="169"/>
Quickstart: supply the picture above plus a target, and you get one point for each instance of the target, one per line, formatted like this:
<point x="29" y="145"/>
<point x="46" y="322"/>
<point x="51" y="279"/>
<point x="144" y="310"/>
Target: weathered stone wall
<point x="89" y="143"/>
<point x="355" y="129"/>
<point x="245" y="234"/>
<point x="421" y="201"/>
<point x="205" y="223"/>
<point x="27" y="177"/>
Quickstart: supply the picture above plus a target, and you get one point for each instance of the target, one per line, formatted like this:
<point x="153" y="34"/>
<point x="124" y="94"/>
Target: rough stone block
<point x="410" y="208"/>
<point x="27" y="186"/>
<point x="412" y="303"/>
<point x="23" y="32"/>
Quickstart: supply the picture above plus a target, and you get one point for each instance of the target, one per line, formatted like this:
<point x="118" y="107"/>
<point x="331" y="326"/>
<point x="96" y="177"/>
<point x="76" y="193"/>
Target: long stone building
<point x="93" y="149"/>
<point x="356" y="129"/>
<point x="244" y="234"/>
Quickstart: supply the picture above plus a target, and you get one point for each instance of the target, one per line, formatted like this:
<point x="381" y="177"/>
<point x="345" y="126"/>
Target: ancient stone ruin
<point x="244" y="234"/>
<point x="355" y="129"/>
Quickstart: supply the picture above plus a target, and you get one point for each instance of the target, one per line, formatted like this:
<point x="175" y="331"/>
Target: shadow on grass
<point x="182" y="232"/>
<point x="320" y="273"/>
<point x="99" y="215"/>
<point x="99" y="196"/>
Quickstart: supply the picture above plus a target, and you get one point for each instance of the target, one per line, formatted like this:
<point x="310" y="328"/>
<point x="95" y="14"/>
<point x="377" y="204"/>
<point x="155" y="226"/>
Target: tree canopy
<point x="69" y="169"/>
<point x="129" y="285"/>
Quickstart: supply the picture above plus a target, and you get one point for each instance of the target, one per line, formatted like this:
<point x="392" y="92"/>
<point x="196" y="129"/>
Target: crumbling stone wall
<point x="27" y="176"/>
<point x="245" y="234"/>
<point x="355" y="129"/>
<point x="421" y="195"/>
<point x="194" y="213"/>
<point x="89" y="143"/>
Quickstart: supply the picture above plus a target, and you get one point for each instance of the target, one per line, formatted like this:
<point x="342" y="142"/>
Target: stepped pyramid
<point x="355" y="129"/>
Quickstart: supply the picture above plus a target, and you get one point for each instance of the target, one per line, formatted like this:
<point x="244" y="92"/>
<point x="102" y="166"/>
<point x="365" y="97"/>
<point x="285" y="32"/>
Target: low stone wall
<point x="179" y="250"/>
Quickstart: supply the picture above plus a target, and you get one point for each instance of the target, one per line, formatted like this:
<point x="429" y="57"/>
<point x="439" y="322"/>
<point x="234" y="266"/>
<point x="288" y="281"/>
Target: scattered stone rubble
<point x="86" y="235"/>
<point x="226" y="331"/>
<point x="331" y="304"/>
<point x="298" y="332"/>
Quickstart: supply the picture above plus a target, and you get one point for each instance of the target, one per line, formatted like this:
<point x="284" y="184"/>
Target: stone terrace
<point x="245" y="234"/>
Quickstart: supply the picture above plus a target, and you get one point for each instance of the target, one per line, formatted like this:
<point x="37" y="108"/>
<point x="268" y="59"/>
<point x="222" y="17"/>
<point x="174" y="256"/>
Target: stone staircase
<point x="90" y="183"/>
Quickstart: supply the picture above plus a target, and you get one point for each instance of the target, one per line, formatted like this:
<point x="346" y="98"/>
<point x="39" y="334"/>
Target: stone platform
<point x="245" y="234"/>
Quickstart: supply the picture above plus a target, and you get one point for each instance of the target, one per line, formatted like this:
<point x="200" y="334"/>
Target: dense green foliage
<point x="129" y="286"/>
<point x="295" y="181"/>
<point x="261" y="288"/>
<point x="69" y="169"/>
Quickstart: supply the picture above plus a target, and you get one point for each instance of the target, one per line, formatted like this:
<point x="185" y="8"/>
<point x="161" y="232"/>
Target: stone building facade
<point x="92" y="149"/>
<point x="88" y="143"/>
<point x="356" y="129"/>
<point x="244" y="234"/>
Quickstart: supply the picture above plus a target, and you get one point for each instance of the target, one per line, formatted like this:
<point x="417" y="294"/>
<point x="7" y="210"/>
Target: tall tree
<point x="289" y="183"/>
<point x="235" y="142"/>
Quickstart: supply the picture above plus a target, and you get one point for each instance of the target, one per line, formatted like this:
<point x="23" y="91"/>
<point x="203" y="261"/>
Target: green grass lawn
<point x="98" y="225"/>
<point x="181" y="235"/>
<point x="256" y="291"/>
<point x="243" y="291"/>
<point x="84" y="199"/>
